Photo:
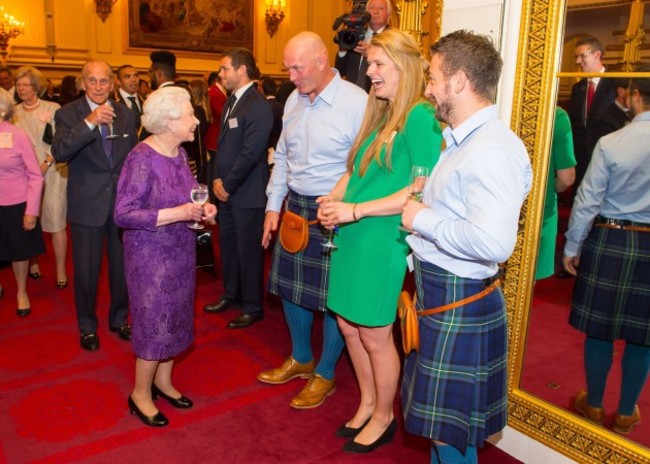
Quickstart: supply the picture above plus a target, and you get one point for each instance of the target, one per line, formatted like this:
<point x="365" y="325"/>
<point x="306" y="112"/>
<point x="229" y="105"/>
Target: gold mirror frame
<point x="534" y="100"/>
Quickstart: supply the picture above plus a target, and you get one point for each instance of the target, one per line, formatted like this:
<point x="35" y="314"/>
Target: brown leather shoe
<point x="593" y="414"/>
<point x="289" y="370"/>
<point x="314" y="393"/>
<point x="625" y="424"/>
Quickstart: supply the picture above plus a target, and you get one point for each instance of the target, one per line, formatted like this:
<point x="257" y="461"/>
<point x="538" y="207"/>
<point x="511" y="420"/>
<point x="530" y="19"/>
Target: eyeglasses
<point x="583" y="55"/>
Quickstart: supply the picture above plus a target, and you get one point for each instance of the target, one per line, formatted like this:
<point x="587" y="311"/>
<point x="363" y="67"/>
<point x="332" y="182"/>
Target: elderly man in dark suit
<point x="589" y="96"/>
<point x="240" y="177"/>
<point x="95" y="162"/>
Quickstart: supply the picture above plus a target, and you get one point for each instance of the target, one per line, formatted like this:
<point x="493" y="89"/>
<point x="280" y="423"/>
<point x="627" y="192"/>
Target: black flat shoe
<point x="385" y="438"/>
<point x="23" y="312"/>
<point x="181" y="403"/>
<point x="124" y="331"/>
<point x="350" y="432"/>
<point x="157" y="420"/>
<point x="35" y="275"/>
<point x="61" y="284"/>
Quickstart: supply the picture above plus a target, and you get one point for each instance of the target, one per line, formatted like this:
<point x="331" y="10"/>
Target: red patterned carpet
<point x="62" y="404"/>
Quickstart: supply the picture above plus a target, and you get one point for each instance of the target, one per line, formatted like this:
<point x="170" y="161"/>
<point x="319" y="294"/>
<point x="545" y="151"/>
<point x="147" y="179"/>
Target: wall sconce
<point x="103" y="8"/>
<point x="274" y="15"/>
<point x="10" y="28"/>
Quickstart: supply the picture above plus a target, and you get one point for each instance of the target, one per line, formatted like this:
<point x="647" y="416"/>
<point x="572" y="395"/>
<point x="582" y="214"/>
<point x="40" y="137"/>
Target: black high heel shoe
<point x="61" y="284"/>
<point x="181" y="403"/>
<point x="385" y="438"/>
<point x="350" y="432"/>
<point x="35" y="275"/>
<point x="157" y="420"/>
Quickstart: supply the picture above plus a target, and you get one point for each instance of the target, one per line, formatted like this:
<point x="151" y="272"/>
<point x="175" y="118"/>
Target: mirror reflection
<point x="556" y="354"/>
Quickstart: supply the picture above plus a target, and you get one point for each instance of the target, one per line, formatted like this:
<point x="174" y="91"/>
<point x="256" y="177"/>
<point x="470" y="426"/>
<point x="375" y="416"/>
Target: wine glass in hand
<point x="109" y="126"/>
<point x="417" y="180"/>
<point x="199" y="195"/>
<point x="329" y="244"/>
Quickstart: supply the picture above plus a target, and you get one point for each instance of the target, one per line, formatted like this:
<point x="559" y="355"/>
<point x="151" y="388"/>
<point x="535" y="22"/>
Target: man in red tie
<point x="589" y="96"/>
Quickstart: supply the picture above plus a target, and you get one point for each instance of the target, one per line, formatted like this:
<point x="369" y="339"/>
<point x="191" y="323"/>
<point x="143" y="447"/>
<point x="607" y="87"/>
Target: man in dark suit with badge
<point x="127" y="94"/>
<point x="94" y="137"/>
<point x="240" y="177"/>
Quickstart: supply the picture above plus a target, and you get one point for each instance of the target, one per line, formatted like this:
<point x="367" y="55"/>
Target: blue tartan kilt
<point x="454" y="389"/>
<point x="611" y="297"/>
<point x="302" y="277"/>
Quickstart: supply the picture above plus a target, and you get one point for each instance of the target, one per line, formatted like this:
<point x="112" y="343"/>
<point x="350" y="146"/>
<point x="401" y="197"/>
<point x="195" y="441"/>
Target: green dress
<point x="562" y="157"/>
<point x="367" y="269"/>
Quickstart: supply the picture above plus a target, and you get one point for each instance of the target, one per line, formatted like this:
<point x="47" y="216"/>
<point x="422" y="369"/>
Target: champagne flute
<point x="417" y="180"/>
<point x="329" y="244"/>
<point x="199" y="195"/>
<point x="109" y="126"/>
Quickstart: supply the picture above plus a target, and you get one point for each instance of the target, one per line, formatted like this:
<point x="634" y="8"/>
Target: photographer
<point x="352" y="64"/>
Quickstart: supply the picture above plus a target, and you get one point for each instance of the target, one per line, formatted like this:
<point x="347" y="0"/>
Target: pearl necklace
<point x="31" y="107"/>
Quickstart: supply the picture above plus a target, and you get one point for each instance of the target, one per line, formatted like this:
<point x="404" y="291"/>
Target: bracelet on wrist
<point x="354" y="212"/>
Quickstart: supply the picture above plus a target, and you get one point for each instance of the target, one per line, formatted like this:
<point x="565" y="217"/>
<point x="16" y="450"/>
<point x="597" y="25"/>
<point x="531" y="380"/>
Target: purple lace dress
<point x="160" y="261"/>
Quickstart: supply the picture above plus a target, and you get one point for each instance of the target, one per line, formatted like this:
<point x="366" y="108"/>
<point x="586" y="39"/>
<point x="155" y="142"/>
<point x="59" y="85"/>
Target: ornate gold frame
<point x="535" y="90"/>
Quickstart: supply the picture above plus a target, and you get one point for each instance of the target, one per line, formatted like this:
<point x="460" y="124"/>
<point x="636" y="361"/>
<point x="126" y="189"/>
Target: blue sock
<point x="598" y="360"/>
<point x="635" y="367"/>
<point x="299" y="321"/>
<point x="333" y="344"/>
<point x="447" y="454"/>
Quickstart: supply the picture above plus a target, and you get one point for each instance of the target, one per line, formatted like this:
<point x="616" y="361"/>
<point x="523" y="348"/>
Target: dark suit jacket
<point x="348" y="67"/>
<point x="278" y="112"/>
<point x="92" y="181"/>
<point x="117" y="97"/>
<point x="607" y="121"/>
<point x="605" y="94"/>
<point x="241" y="151"/>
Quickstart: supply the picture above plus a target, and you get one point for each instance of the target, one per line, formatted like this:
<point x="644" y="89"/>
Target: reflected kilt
<point x="454" y="389"/>
<point x="611" y="298"/>
<point x="302" y="277"/>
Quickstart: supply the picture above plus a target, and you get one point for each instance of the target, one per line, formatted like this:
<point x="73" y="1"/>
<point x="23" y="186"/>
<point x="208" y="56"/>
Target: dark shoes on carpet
<point x="245" y="320"/>
<point x="218" y="307"/>
<point x="23" y="312"/>
<point x="35" y="275"/>
<point x="157" y="420"/>
<point x="61" y="284"/>
<point x="89" y="342"/>
<point x="350" y="432"/>
<point x="124" y="331"/>
<point x="353" y="447"/>
<point x="181" y="403"/>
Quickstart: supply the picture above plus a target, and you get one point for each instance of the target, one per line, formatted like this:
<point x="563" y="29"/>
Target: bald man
<point x="325" y="116"/>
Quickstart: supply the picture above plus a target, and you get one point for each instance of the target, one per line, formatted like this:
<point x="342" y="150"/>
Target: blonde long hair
<point x="385" y="116"/>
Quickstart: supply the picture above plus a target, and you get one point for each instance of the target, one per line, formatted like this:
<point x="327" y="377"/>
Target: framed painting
<point x="192" y="25"/>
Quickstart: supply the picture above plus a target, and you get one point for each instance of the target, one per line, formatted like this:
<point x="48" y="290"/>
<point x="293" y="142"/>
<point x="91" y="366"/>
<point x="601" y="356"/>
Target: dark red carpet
<point x="61" y="404"/>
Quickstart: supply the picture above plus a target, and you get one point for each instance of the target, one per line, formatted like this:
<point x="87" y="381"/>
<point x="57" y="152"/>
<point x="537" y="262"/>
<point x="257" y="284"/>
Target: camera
<point x="355" y="26"/>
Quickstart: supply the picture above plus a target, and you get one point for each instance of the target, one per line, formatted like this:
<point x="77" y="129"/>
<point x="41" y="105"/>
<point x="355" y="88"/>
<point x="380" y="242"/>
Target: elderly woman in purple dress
<point x="153" y="207"/>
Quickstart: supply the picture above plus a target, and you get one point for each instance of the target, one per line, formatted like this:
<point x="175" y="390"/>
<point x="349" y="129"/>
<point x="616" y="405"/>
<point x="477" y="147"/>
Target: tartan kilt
<point x="302" y="277"/>
<point x="454" y="389"/>
<point x="611" y="297"/>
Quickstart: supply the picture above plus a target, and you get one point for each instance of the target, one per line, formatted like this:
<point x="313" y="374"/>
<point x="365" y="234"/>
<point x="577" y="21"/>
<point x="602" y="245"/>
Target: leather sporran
<point x="408" y="323"/>
<point x="294" y="232"/>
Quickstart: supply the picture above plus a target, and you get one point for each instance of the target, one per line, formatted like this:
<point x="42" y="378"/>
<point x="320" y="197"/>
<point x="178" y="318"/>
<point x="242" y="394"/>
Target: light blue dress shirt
<point x="315" y="141"/>
<point x="616" y="184"/>
<point x="474" y="196"/>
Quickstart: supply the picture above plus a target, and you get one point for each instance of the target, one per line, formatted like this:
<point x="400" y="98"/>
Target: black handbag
<point x="48" y="136"/>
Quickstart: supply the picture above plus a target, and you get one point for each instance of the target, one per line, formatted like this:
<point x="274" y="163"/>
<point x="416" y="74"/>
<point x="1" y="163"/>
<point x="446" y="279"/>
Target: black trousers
<point x="242" y="255"/>
<point x="87" y="250"/>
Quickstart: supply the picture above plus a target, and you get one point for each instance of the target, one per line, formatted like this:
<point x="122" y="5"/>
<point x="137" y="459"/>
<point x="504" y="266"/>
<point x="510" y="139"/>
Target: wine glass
<point x="417" y="180"/>
<point x="109" y="127"/>
<point x="199" y="195"/>
<point x="329" y="244"/>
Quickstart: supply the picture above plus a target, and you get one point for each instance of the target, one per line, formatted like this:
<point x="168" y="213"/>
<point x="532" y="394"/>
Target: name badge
<point x="6" y="140"/>
<point x="232" y="123"/>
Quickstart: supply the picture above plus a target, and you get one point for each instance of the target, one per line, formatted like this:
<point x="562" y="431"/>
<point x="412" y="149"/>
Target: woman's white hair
<point x="162" y="106"/>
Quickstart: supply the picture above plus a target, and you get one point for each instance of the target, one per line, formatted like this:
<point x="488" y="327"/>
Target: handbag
<point x="294" y="232"/>
<point x="408" y="315"/>
<point x="48" y="136"/>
